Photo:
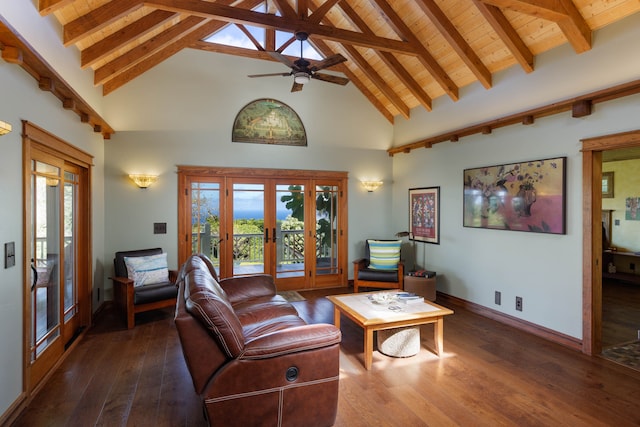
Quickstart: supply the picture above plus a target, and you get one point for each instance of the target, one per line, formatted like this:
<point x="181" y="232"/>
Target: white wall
<point x="23" y="100"/>
<point x="182" y="112"/>
<point x="131" y="212"/>
<point x="545" y="270"/>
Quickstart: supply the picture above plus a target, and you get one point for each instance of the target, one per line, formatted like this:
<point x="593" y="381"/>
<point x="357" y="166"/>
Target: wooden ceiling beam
<point x="285" y="9"/>
<point x="550" y="10"/>
<point x="140" y="52"/>
<point x="121" y="38"/>
<point x="507" y="34"/>
<point x="319" y="13"/>
<point x="47" y="7"/>
<point x="407" y="79"/>
<point x="375" y="78"/>
<point x="390" y="60"/>
<point x="326" y="51"/>
<point x="236" y="14"/>
<point x="425" y="58"/>
<point x="97" y="19"/>
<point x="248" y="34"/>
<point x="575" y="28"/>
<point x="303" y="9"/>
<point x="457" y="42"/>
<point x="562" y="12"/>
<point x="171" y="49"/>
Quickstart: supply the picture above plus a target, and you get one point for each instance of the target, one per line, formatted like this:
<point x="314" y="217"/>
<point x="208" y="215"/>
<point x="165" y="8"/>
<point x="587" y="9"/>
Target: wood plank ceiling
<point x="401" y="54"/>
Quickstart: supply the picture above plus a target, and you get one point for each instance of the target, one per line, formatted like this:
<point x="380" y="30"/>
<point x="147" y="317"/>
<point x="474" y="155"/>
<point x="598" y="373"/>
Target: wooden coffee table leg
<point x="438" y="334"/>
<point x="368" y="348"/>
<point x="336" y="317"/>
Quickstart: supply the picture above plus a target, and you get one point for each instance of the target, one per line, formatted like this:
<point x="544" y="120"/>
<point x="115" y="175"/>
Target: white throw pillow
<point x="147" y="270"/>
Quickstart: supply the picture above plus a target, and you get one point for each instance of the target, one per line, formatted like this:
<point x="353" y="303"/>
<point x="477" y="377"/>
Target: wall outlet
<point x="498" y="298"/>
<point x="519" y="303"/>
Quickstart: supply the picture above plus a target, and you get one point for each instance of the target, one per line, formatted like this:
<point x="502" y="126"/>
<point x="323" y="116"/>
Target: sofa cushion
<point x="207" y="301"/>
<point x="156" y="292"/>
<point x="257" y="310"/>
<point x="269" y="326"/>
<point x="384" y="254"/>
<point x="147" y="270"/>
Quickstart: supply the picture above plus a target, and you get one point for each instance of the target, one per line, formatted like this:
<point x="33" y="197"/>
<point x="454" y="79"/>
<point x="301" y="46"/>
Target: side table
<point x="423" y="286"/>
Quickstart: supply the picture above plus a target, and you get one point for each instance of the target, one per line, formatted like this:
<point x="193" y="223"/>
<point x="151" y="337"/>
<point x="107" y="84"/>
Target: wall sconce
<point x="5" y="128"/>
<point x="371" y="186"/>
<point x="143" y="181"/>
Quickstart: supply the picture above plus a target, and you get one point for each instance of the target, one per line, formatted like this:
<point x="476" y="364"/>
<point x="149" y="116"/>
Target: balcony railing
<point x="249" y="248"/>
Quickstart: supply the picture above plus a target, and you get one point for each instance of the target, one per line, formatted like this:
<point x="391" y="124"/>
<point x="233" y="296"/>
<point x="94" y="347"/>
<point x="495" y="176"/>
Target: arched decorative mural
<point x="267" y="121"/>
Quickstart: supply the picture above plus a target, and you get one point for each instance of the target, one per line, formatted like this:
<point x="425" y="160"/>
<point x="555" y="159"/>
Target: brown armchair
<point x="388" y="277"/>
<point x="131" y="299"/>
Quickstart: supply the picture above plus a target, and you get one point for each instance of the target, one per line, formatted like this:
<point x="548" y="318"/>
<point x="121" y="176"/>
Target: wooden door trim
<point x="188" y="173"/>
<point x="592" y="232"/>
<point x="36" y="138"/>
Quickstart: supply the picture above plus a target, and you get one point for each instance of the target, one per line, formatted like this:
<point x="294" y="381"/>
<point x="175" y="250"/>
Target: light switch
<point x="159" y="228"/>
<point x="9" y="254"/>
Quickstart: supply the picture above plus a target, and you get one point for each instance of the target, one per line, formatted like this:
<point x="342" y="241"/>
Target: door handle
<point x="274" y="235"/>
<point x="35" y="275"/>
<point x="266" y="235"/>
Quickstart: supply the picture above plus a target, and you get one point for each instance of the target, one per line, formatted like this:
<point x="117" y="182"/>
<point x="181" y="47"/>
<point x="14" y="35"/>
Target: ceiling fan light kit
<point x="302" y="70"/>
<point x="301" y="77"/>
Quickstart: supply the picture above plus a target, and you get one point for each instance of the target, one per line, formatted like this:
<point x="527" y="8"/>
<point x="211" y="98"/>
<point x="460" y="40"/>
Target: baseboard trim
<point x="541" y="331"/>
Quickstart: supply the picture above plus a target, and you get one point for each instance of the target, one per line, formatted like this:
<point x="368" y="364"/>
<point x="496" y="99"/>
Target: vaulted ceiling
<point x="401" y="54"/>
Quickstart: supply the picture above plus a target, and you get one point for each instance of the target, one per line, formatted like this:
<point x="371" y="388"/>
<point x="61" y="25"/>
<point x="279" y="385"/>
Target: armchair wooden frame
<point x="363" y="263"/>
<point x="123" y="291"/>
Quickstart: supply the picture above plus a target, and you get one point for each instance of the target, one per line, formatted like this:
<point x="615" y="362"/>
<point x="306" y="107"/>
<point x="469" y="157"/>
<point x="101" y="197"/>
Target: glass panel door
<point x="290" y="231"/>
<point x="249" y="233"/>
<point x="70" y="242"/>
<point x="205" y="221"/>
<point x="327" y="229"/>
<point x="45" y="257"/>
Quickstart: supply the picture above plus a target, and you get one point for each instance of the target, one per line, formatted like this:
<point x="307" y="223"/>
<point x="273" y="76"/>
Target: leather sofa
<point x="252" y="359"/>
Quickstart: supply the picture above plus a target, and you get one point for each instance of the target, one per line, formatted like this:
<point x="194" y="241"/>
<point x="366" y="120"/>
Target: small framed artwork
<point x="607" y="185"/>
<point x="524" y="196"/>
<point x="632" y="208"/>
<point x="424" y="214"/>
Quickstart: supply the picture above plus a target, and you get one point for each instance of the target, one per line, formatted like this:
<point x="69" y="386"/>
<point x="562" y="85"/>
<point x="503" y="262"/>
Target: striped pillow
<point x="147" y="270"/>
<point x="384" y="254"/>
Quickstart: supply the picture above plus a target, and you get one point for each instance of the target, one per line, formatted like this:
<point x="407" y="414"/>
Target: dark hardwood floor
<point x="620" y="312"/>
<point x="489" y="374"/>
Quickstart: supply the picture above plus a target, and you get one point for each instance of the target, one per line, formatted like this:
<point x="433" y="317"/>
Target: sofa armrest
<point x="292" y="340"/>
<point x="248" y="287"/>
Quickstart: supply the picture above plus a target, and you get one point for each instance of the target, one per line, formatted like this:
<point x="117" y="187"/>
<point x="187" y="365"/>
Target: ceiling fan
<point x="302" y="70"/>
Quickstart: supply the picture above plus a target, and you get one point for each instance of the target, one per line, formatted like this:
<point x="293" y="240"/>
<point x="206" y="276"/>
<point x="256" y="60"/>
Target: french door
<point x="290" y="224"/>
<point x="57" y="289"/>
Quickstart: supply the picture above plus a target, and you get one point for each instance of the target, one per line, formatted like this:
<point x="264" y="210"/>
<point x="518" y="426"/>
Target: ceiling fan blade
<point x="328" y="62"/>
<point x="280" y="57"/>
<point x="330" y="78"/>
<point x="269" y="75"/>
<point x="297" y="87"/>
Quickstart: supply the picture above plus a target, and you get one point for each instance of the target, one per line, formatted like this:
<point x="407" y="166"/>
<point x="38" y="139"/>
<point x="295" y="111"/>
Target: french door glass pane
<point x="69" y="272"/>
<point x="205" y="220"/>
<point x="248" y="229"/>
<point x="45" y="286"/>
<point x="290" y="231"/>
<point x="327" y="229"/>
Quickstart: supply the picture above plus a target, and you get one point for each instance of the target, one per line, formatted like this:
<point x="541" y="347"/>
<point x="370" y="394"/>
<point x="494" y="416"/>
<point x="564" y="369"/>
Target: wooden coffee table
<point x="373" y="317"/>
